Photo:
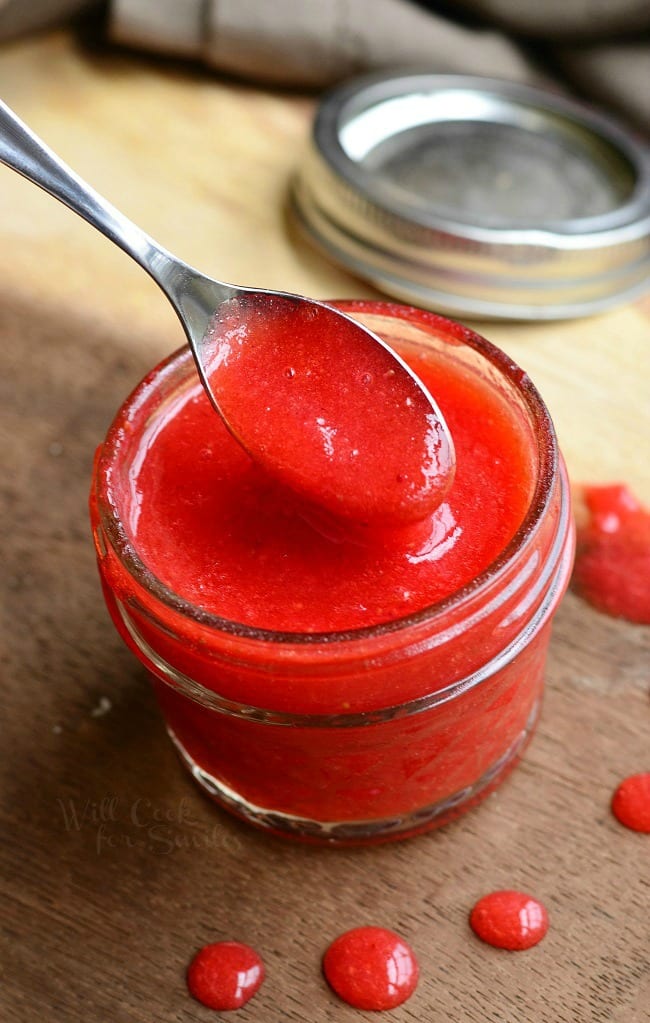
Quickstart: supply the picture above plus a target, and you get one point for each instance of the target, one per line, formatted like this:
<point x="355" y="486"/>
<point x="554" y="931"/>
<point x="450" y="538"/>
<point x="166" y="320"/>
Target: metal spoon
<point x="201" y="301"/>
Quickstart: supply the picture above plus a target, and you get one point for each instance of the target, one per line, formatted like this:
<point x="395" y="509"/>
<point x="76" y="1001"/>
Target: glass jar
<point x="372" y="734"/>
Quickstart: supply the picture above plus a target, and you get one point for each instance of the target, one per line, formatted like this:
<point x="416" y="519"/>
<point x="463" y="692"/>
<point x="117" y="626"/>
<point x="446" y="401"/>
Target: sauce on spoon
<point x="329" y="412"/>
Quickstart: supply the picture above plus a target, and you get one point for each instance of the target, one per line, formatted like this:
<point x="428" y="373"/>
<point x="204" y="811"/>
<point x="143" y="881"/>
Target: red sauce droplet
<point x="631" y="802"/>
<point x="225" y="975"/>
<point x="371" y="968"/>
<point x="508" y="919"/>
<point x="612" y="569"/>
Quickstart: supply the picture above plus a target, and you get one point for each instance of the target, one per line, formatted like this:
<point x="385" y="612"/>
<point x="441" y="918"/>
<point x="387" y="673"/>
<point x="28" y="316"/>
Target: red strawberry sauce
<point x="510" y="920"/>
<point x="371" y="968"/>
<point x="225" y="975"/>
<point x="314" y="673"/>
<point x="221" y="532"/>
<point x="329" y="412"/>
<point x="612" y="569"/>
<point x="631" y="802"/>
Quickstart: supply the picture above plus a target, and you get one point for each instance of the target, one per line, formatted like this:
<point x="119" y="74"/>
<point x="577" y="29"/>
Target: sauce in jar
<point x="321" y="684"/>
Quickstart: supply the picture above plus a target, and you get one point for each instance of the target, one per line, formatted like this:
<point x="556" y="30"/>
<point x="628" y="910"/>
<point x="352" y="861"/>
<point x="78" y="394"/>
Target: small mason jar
<point x="372" y="734"/>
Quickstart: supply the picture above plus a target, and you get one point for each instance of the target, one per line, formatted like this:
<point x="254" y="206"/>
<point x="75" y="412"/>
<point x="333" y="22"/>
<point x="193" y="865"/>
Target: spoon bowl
<point x="320" y="437"/>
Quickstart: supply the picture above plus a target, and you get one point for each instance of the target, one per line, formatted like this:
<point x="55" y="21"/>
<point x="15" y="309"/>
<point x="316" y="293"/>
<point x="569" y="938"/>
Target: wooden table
<point x="114" y="867"/>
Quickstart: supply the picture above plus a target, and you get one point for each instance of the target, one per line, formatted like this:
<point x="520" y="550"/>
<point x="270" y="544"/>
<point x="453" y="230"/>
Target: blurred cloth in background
<point x="598" y="48"/>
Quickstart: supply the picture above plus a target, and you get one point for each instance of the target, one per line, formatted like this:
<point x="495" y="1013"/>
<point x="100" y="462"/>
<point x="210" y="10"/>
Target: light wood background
<point x="104" y="902"/>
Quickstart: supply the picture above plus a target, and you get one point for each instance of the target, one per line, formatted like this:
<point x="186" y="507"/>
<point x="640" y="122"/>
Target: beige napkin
<point x="601" y="48"/>
<point x="312" y="42"/>
<point x="316" y="43"/>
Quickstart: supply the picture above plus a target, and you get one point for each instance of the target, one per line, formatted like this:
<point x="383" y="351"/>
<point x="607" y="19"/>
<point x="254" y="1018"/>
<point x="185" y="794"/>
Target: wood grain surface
<point x="114" y="868"/>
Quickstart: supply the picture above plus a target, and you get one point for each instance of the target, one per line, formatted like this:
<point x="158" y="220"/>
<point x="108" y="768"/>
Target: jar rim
<point x="113" y="526"/>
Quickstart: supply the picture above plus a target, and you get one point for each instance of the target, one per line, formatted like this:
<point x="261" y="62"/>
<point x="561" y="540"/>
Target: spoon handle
<point x="24" y="152"/>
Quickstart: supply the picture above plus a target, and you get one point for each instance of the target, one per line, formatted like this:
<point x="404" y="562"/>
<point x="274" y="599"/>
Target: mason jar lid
<point x="477" y="197"/>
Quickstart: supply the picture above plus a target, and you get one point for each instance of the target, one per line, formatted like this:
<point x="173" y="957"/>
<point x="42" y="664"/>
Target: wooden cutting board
<point x="114" y="868"/>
